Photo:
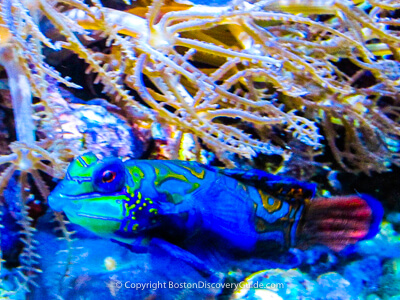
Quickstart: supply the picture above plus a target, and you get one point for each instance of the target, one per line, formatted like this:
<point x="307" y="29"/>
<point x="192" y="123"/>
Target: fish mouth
<point x="60" y="202"/>
<point x="84" y="196"/>
<point x="72" y="203"/>
<point x="98" y="217"/>
<point x="57" y="201"/>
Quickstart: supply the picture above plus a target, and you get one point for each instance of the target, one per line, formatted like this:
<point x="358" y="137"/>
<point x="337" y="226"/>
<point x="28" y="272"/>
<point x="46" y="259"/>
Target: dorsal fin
<point x="285" y="188"/>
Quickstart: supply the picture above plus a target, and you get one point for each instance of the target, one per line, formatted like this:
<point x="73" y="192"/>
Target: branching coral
<point x="258" y="60"/>
<point x="246" y="78"/>
<point x="20" y="55"/>
<point x="186" y="96"/>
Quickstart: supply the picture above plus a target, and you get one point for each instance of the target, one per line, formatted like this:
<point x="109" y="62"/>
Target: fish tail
<point x="339" y="221"/>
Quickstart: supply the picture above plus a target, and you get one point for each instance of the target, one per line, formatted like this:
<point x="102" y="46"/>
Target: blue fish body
<point x="137" y="200"/>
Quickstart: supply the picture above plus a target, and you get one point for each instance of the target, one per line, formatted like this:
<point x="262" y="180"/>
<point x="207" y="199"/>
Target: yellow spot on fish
<point x="110" y="263"/>
<point x="135" y="226"/>
<point x="138" y="201"/>
<point x="199" y="174"/>
<point x="145" y="204"/>
<point x="194" y="187"/>
<point x="129" y="207"/>
<point x="168" y="174"/>
<point x="271" y="204"/>
<point x="139" y="194"/>
<point x="140" y="208"/>
<point x="137" y="176"/>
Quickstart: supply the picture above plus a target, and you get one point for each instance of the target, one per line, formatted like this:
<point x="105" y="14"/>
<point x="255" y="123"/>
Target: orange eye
<point x="108" y="176"/>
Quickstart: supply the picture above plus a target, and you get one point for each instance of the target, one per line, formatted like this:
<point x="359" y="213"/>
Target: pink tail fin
<point x="340" y="221"/>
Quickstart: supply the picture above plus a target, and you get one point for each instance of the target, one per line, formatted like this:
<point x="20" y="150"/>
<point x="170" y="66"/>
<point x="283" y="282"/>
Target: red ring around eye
<point x="108" y="176"/>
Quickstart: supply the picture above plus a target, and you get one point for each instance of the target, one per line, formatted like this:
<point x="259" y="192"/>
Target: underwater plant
<point x="269" y="77"/>
<point x="232" y="76"/>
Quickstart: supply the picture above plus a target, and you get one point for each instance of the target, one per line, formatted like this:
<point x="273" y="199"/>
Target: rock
<point x="386" y="244"/>
<point x="334" y="287"/>
<point x="97" y="128"/>
<point x="373" y="297"/>
<point x="319" y="260"/>
<point x="276" y="284"/>
<point x="362" y="275"/>
<point x="389" y="282"/>
<point x="84" y="271"/>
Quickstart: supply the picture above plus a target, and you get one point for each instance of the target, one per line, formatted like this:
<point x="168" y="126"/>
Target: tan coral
<point x="250" y="45"/>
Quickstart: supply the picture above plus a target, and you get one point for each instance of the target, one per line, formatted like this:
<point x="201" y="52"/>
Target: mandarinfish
<point x="136" y="201"/>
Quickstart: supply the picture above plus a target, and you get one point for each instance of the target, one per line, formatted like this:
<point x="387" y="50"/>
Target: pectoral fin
<point x="162" y="247"/>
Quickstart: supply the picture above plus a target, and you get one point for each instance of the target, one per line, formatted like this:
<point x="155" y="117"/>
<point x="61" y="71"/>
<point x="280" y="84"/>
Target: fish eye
<point x="108" y="176"/>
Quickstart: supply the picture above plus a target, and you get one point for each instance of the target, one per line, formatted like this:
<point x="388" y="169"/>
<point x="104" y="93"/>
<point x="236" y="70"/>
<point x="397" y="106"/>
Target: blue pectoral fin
<point x="158" y="245"/>
<point x="226" y="217"/>
<point x="139" y="245"/>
